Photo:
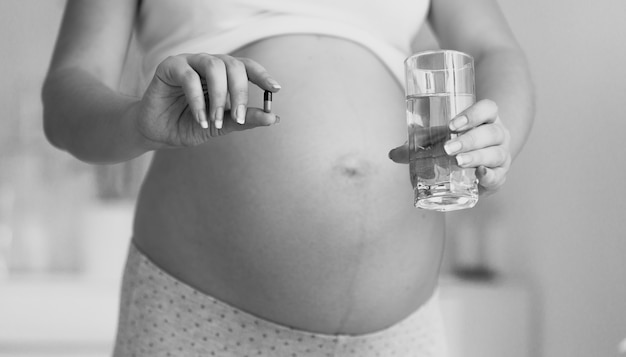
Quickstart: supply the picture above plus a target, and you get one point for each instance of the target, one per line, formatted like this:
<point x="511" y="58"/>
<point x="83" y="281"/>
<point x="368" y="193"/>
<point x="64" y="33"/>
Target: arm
<point x="478" y="28"/>
<point x="86" y="115"/>
<point x="83" y="113"/>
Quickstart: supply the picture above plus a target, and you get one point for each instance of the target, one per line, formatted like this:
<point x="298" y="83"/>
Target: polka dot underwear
<point x="162" y="316"/>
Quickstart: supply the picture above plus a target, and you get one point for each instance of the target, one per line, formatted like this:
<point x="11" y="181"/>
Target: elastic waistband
<point x="160" y="314"/>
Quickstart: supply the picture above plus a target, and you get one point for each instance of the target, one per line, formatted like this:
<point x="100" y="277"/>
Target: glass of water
<point x="439" y="85"/>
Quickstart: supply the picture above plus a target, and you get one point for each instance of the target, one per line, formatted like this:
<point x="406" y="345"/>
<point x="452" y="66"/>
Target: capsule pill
<point x="267" y="101"/>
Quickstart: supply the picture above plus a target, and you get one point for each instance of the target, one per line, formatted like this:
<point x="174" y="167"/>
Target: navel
<point x="352" y="166"/>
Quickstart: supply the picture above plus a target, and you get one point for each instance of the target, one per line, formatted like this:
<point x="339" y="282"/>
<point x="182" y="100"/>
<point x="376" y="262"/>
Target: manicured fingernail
<point x="219" y="123"/>
<point x="240" y="114"/>
<point x="459" y="122"/>
<point x="453" y="147"/>
<point x="274" y="84"/>
<point x="392" y="153"/>
<point x="481" y="171"/>
<point x="201" y="119"/>
<point x="463" y="159"/>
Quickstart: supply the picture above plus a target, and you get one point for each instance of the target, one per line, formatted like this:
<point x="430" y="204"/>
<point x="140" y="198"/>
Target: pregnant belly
<point x="306" y="223"/>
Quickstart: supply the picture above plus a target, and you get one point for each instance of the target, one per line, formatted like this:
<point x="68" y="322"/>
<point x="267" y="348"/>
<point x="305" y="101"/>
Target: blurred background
<point x="537" y="270"/>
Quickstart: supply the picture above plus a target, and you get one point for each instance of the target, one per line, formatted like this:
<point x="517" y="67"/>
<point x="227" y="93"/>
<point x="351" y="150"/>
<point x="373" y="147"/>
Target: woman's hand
<point x="483" y="143"/>
<point x="190" y="97"/>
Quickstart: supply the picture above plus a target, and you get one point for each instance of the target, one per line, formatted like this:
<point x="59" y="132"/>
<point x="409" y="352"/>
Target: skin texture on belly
<point x="306" y="223"/>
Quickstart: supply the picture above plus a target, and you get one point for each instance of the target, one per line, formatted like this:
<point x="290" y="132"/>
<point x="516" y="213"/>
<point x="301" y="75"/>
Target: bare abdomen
<point x="306" y="223"/>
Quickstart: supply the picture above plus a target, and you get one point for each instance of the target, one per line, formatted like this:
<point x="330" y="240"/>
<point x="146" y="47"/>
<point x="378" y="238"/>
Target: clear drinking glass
<point x="439" y="85"/>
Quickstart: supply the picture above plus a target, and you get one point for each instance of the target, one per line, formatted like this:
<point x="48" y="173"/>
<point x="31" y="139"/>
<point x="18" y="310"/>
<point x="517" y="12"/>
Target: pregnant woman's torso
<point x="306" y="223"/>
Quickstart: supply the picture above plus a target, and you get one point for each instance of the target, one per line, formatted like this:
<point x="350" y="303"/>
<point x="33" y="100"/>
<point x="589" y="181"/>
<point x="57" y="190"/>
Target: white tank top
<point x="168" y="27"/>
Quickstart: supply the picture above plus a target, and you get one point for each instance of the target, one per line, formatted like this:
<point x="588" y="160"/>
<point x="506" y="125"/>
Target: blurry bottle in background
<point x="7" y="199"/>
<point x="50" y="192"/>
<point x="44" y="191"/>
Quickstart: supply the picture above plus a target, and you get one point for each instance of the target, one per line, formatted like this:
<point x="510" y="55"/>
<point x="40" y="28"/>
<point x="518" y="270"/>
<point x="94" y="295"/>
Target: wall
<point x="41" y="189"/>
<point x="46" y="196"/>
<point x="563" y="209"/>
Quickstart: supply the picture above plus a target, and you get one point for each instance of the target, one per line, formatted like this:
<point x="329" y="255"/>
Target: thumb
<point x="400" y="154"/>
<point x="255" y="117"/>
